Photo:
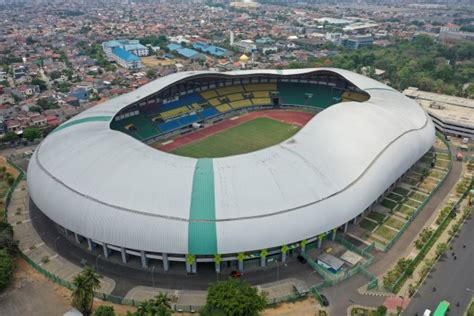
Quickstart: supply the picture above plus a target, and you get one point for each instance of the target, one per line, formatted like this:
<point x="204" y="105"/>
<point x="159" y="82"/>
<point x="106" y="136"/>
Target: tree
<point x="234" y="297"/>
<point x="162" y="304"/>
<point x="85" y="283"/>
<point x="159" y="306"/>
<point x="82" y="297"/>
<point x="104" y="311"/>
<point x="441" y="249"/>
<point x="151" y="74"/>
<point x="31" y="133"/>
<point x="10" y="137"/>
<point x="7" y="265"/>
<point x="40" y="83"/>
<point x="381" y="310"/>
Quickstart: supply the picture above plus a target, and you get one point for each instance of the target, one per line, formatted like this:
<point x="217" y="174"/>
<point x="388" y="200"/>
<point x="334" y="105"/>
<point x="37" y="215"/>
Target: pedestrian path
<point x="32" y="246"/>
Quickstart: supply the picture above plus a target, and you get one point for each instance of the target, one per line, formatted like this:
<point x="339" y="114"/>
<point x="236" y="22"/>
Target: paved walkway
<point x="31" y="244"/>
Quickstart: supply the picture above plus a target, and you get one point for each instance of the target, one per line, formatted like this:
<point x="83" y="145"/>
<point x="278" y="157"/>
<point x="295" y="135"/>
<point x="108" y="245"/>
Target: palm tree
<point x="162" y="304"/>
<point x="93" y="281"/>
<point x="81" y="296"/>
<point x="145" y="308"/>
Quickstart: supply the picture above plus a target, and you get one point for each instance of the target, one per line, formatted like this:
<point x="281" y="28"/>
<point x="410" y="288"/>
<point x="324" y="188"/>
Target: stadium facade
<point x="114" y="191"/>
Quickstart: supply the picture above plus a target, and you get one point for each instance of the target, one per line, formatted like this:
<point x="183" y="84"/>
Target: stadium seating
<point x="209" y="94"/>
<point x="223" y="108"/>
<point x="240" y="104"/>
<point x="174" y="112"/>
<point x="261" y="94"/>
<point x="235" y="96"/>
<point x="262" y="101"/>
<point x="354" y="96"/>
<point x="208" y="104"/>
<point x="261" y="87"/>
<point x="175" y="124"/>
<point x="229" y="90"/>
<point x="137" y="126"/>
<point x="320" y="96"/>
<point x="208" y="113"/>
<point x="214" y="102"/>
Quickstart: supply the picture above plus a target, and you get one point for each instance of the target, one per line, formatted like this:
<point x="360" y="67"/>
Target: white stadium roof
<point x="112" y="188"/>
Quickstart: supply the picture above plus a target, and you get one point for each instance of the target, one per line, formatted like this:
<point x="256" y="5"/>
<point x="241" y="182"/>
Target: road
<point x="132" y="274"/>
<point x="450" y="277"/>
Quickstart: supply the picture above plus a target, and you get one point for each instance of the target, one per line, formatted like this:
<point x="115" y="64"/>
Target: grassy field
<point x="246" y="137"/>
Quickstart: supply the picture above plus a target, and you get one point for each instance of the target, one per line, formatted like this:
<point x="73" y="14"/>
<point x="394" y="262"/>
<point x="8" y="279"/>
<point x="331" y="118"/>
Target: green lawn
<point x="411" y="202"/>
<point x="246" y="137"/>
<point x="405" y="210"/>
<point x="418" y="196"/>
<point x="385" y="232"/>
<point x="401" y="191"/>
<point x="389" y="204"/>
<point x="395" y="197"/>
<point x="367" y="225"/>
<point x="376" y="216"/>
<point x="394" y="222"/>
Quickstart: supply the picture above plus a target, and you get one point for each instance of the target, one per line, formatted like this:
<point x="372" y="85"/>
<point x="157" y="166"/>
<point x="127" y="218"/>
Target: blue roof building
<point x="210" y="49"/>
<point x="131" y="46"/>
<point x="125" y="58"/>
<point x="185" y="52"/>
<point x="173" y="46"/>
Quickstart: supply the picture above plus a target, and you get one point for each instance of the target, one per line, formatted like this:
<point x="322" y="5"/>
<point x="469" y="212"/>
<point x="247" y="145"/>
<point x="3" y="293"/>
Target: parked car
<point x="324" y="300"/>
<point x="235" y="274"/>
<point x="301" y="259"/>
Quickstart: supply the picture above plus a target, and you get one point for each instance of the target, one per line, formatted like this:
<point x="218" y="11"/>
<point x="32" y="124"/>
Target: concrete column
<point x="355" y="219"/>
<point x="283" y="257"/>
<point x="218" y="267"/>
<point x="144" y="259"/>
<point x="241" y="265"/>
<point x="124" y="255"/>
<point x="263" y="261"/>
<point x="320" y="243"/>
<point x="345" y="227"/>
<point x="76" y="236"/>
<point x="333" y="237"/>
<point x="166" y="265"/>
<point x="90" y="244"/>
<point x="106" y="250"/>
<point x="188" y="267"/>
<point x="194" y="267"/>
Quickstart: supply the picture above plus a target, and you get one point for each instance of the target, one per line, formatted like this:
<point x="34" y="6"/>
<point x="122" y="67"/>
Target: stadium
<point x="210" y="167"/>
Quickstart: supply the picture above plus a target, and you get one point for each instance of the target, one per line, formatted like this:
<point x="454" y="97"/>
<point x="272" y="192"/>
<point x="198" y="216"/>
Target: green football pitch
<point x="246" y="137"/>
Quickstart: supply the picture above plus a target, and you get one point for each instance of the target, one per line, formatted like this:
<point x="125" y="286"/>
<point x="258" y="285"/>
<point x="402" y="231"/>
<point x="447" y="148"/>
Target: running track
<point x="291" y="117"/>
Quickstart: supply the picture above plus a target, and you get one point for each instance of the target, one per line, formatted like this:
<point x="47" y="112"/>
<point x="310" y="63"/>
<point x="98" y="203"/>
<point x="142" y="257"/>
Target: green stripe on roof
<point x="83" y="120"/>
<point x="202" y="236"/>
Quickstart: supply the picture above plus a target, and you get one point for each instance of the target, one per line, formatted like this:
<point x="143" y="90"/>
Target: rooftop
<point x="448" y="108"/>
<point x="123" y="54"/>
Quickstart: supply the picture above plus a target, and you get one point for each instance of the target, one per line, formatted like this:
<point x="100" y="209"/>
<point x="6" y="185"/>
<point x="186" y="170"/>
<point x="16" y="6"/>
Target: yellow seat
<point x="230" y="90"/>
<point x="174" y="112"/>
<point x="214" y="102"/>
<point x="261" y="101"/>
<point x="240" y="104"/>
<point x="261" y="87"/>
<point x="261" y="94"/>
<point x="235" y="97"/>
<point x="223" y="108"/>
<point x="209" y="94"/>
